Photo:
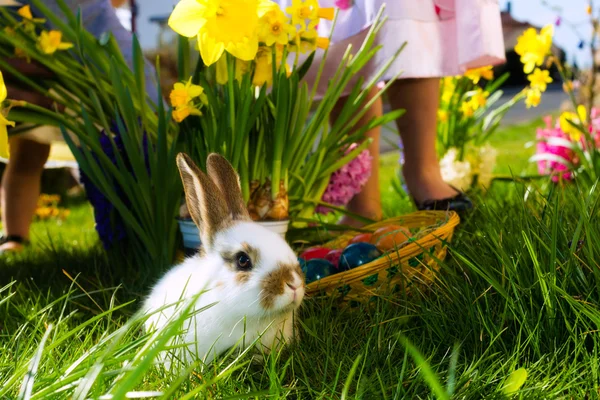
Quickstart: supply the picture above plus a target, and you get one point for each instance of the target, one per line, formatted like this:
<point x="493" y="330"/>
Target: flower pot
<point x="191" y="234"/>
<point x="279" y="227"/>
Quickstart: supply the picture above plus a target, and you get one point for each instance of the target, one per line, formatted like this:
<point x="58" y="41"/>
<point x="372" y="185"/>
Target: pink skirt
<point x="443" y="37"/>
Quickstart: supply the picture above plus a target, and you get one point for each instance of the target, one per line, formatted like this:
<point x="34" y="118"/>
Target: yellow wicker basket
<point x="413" y="263"/>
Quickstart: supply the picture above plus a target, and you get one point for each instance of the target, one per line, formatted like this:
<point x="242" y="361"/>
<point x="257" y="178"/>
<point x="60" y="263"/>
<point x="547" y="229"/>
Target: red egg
<point x="334" y="257"/>
<point x="361" y="238"/>
<point x="314" y="252"/>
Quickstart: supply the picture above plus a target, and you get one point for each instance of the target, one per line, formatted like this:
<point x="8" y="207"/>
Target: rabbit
<point x="249" y="275"/>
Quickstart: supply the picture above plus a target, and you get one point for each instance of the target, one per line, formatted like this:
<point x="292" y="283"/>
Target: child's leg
<point x="368" y="202"/>
<point x="418" y="129"/>
<point x="21" y="187"/>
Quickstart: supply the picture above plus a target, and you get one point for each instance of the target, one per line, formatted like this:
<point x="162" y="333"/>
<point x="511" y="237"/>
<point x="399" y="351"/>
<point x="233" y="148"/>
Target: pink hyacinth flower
<point x="343" y="4"/>
<point x="348" y="181"/>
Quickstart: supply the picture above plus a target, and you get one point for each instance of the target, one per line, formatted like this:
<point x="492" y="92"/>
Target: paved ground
<point x="551" y="101"/>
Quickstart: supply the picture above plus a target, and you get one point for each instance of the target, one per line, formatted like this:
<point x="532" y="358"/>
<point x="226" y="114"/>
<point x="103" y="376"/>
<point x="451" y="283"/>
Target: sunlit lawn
<point x="513" y="294"/>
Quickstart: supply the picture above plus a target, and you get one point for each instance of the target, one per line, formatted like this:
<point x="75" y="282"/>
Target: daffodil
<point x="221" y="25"/>
<point x="241" y="67"/>
<point x="275" y="28"/>
<point x="476" y="74"/>
<point x="3" y="121"/>
<point x="25" y="12"/>
<point x="28" y="20"/>
<point x="532" y="97"/>
<point x="539" y="79"/>
<point x="467" y="109"/>
<point x="568" y="118"/>
<point x="308" y="41"/>
<point x="448" y="87"/>
<point x="534" y="48"/>
<point x="322" y="43"/>
<point x="263" y="70"/>
<point x="184" y="93"/>
<point x="301" y="11"/>
<point x="50" y="42"/>
<point x="442" y="115"/>
<point x="181" y="113"/>
<point x="479" y="99"/>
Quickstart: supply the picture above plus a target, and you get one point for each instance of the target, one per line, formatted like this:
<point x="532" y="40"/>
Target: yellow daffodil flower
<point x="181" y="113"/>
<point x="263" y="70"/>
<point x="533" y="97"/>
<point x="25" y="12"/>
<point x="309" y="10"/>
<point x="479" y="99"/>
<point x="50" y="42"/>
<point x="567" y="127"/>
<point x="185" y="93"/>
<point x="476" y="74"/>
<point x="3" y="121"/>
<point x="467" y="109"/>
<point x="448" y="87"/>
<point x="275" y="28"/>
<point x="241" y="67"/>
<point x="534" y="48"/>
<point x="308" y="41"/>
<point x="28" y="20"/>
<point x="443" y="116"/>
<point x="539" y="79"/>
<point x="322" y="43"/>
<point x="221" y="25"/>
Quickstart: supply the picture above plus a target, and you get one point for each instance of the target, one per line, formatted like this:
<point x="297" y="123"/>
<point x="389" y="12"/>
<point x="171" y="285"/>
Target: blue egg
<point x="302" y="263"/>
<point x="318" y="268"/>
<point x="358" y="254"/>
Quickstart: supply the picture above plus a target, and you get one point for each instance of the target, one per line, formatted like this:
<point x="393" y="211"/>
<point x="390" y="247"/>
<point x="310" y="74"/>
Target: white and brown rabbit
<point x="249" y="273"/>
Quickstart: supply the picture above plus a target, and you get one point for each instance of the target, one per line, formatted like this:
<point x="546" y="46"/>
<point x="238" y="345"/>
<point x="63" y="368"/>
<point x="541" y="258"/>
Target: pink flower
<point x="555" y="167"/>
<point x="343" y="4"/>
<point x="348" y="181"/>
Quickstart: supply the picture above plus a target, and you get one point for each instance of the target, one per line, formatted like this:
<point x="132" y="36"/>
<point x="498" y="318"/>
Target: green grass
<point x="516" y="291"/>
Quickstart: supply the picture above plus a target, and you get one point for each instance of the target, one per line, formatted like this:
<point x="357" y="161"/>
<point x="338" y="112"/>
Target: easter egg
<point x="358" y="254"/>
<point x="361" y="238"/>
<point x="392" y="240"/>
<point x="302" y="263"/>
<point x="318" y="268"/>
<point x="386" y="230"/>
<point x="334" y="257"/>
<point x="314" y="252"/>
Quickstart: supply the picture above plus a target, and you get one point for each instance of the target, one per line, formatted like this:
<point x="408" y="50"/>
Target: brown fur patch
<point x="242" y="277"/>
<point x="228" y="181"/>
<point x="274" y="283"/>
<point x="204" y="200"/>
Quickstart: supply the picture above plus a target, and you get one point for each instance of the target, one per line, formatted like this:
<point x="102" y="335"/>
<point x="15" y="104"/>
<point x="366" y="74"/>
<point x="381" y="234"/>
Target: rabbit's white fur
<point x="245" y="304"/>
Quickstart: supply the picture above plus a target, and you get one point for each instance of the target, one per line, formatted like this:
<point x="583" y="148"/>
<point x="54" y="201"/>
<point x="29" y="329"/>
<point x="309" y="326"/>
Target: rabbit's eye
<point x="243" y="262"/>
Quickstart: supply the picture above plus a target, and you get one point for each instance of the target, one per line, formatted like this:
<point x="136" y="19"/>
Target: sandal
<point x="13" y="239"/>
<point x="459" y="203"/>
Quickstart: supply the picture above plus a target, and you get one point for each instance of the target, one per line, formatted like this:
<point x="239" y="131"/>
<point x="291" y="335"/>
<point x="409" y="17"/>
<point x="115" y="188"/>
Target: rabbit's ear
<point x="204" y="200"/>
<point x="221" y="171"/>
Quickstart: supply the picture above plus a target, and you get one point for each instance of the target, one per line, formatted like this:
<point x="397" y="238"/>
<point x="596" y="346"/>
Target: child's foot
<point x="12" y="244"/>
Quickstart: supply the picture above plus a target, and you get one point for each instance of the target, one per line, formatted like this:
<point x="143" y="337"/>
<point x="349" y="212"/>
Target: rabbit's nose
<point x="291" y="286"/>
